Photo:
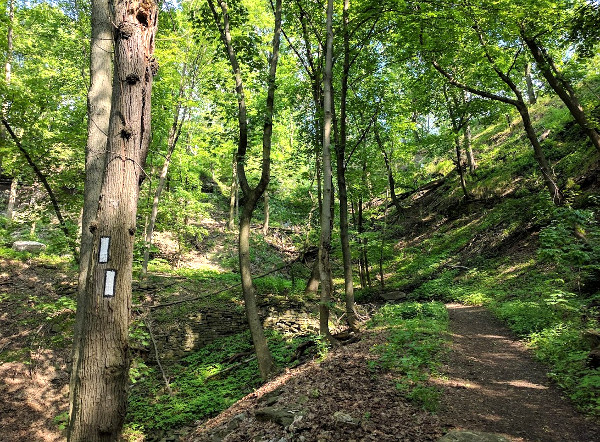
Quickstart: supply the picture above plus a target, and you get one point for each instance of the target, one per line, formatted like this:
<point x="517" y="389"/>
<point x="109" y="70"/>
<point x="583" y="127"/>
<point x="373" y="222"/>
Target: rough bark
<point x="562" y="87"/>
<point x="266" y="364"/>
<point x="98" y="107"/>
<point x="100" y="377"/>
<point x="325" y="242"/>
<point x="528" y="80"/>
<point x="340" y="149"/>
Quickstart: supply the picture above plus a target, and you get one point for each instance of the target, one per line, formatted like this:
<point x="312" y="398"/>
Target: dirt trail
<point x="494" y="385"/>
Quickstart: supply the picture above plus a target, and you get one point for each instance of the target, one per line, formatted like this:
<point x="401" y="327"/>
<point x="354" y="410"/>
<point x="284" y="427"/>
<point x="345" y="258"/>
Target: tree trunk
<point x="529" y="81"/>
<point x="312" y="286"/>
<point x="266" y="363"/>
<point x="174" y="134"/>
<point x="100" y="377"/>
<point x="388" y="168"/>
<point x="98" y="108"/>
<point x="471" y="161"/>
<point x="340" y="150"/>
<point x="555" y="193"/>
<point x="233" y="195"/>
<point x="385" y="211"/>
<point x="325" y="243"/>
<point x="459" y="167"/>
<point x="265" y="228"/>
<point x="562" y="88"/>
<point x="361" y="258"/>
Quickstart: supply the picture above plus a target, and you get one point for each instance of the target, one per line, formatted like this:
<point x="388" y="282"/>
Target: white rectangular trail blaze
<point x="109" y="283"/>
<point x="104" y="245"/>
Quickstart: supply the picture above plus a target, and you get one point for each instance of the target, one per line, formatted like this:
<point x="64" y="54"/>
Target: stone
<point x="270" y="398"/>
<point x="235" y="421"/>
<point x="28" y="246"/>
<point x="344" y="418"/>
<point x="471" y="436"/>
<point x="395" y="295"/>
<point x="280" y="416"/>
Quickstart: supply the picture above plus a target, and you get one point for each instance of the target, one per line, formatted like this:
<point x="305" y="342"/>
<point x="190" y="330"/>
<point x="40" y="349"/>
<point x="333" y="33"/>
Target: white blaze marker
<point x="109" y="283"/>
<point x="104" y="245"/>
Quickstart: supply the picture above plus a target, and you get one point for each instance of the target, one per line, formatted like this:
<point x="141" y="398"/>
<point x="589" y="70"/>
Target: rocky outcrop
<point x="28" y="246"/>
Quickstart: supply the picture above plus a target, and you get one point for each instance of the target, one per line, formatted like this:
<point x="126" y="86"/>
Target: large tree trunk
<point x="100" y="383"/>
<point x="266" y="364"/>
<point x="98" y="107"/>
<point x="325" y="242"/>
<point x="562" y="88"/>
<point x="340" y="150"/>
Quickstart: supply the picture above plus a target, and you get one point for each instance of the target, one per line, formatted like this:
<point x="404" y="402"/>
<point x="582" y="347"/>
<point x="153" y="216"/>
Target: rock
<point x="235" y="421"/>
<point x="280" y="416"/>
<point x="395" y="295"/>
<point x="344" y="418"/>
<point x="471" y="436"/>
<point x="28" y="246"/>
<point x="271" y="397"/>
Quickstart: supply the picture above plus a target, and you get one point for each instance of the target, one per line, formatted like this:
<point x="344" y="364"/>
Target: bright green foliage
<point x="199" y="390"/>
<point x="562" y="348"/>
<point x="416" y="337"/>
<point x="45" y="102"/>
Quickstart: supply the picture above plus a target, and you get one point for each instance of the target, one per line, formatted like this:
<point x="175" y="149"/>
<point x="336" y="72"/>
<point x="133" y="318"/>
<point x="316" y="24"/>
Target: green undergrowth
<point x="415" y="343"/>
<point x="203" y="383"/>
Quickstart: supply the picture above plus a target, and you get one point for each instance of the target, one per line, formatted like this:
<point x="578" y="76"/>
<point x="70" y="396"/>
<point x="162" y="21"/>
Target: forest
<point x="301" y="220"/>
